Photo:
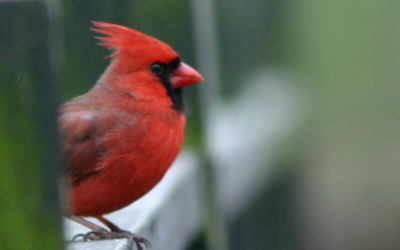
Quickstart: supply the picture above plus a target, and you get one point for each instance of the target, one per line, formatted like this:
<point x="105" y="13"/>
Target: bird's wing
<point x="81" y="142"/>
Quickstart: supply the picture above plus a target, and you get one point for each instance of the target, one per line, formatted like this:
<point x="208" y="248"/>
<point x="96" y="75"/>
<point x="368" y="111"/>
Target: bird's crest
<point x="123" y="39"/>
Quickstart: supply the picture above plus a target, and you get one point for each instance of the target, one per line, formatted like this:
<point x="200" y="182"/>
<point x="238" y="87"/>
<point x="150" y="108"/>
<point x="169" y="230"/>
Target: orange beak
<point x="183" y="76"/>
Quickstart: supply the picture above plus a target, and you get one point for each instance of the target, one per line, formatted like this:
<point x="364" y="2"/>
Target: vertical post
<point x="208" y="64"/>
<point x="29" y="97"/>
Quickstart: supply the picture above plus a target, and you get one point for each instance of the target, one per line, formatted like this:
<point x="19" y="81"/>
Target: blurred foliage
<point x="349" y="53"/>
<point x="29" y="209"/>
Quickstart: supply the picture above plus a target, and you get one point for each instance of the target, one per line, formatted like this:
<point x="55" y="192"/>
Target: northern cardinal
<point x="120" y="138"/>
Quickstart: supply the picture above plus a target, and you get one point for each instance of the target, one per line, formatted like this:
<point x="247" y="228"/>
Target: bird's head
<point x="135" y="52"/>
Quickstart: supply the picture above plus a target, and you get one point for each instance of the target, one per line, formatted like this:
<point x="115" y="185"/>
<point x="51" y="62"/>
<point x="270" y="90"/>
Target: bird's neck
<point x="132" y="91"/>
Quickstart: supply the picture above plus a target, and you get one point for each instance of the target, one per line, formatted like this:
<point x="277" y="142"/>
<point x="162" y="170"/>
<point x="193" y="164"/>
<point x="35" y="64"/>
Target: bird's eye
<point x="157" y="68"/>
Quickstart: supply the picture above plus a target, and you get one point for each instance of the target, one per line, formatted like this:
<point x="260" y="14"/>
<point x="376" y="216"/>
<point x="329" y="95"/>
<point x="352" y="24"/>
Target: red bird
<point x="120" y="138"/>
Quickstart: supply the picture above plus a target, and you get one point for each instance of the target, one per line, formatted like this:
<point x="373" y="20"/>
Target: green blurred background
<point x="336" y="180"/>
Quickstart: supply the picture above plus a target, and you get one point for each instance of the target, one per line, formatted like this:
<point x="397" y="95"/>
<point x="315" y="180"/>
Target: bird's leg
<point x="119" y="233"/>
<point x="109" y="224"/>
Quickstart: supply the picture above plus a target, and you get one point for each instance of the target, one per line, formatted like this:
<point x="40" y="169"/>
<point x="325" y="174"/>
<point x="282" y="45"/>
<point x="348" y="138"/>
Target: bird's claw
<point x="107" y="235"/>
<point x="89" y="236"/>
<point x="139" y="241"/>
